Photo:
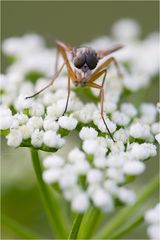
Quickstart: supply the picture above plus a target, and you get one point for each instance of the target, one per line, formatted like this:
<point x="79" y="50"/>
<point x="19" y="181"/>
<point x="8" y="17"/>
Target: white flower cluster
<point x="35" y="126"/>
<point x="141" y="67"/>
<point x="97" y="171"/>
<point x="152" y="218"/>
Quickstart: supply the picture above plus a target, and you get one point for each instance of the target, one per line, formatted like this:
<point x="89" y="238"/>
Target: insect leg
<point x="102" y="101"/>
<point x="107" y="63"/>
<point x="104" y="53"/>
<point x="57" y="60"/>
<point x="65" y="110"/>
<point x="49" y="84"/>
<point x="94" y="85"/>
<point x="62" y="50"/>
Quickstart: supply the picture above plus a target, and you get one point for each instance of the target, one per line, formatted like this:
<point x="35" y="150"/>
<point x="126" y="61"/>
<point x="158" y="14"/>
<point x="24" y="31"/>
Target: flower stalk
<point x="91" y="218"/>
<point x="76" y="225"/>
<point x="50" y="201"/>
<point x="120" y="218"/>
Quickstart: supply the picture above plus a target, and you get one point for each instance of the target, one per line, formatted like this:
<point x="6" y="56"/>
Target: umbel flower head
<point x="152" y="218"/>
<point x="95" y="171"/>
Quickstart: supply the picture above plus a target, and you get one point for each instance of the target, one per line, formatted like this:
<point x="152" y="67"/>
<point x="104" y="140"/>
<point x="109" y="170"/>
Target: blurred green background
<point x="74" y="22"/>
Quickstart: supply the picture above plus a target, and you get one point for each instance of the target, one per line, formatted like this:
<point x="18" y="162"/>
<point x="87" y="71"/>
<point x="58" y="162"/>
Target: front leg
<point x="69" y="90"/>
<point x="105" y="64"/>
<point x="49" y="84"/>
<point x="94" y="85"/>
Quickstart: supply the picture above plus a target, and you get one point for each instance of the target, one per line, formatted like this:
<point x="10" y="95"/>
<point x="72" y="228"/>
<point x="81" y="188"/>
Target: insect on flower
<point x="82" y="69"/>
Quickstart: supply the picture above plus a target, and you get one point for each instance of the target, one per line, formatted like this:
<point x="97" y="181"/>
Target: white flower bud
<point x="80" y="202"/>
<point x="157" y="137"/>
<point x="153" y="231"/>
<point x="120" y="118"/>
<point x="22" y="118"/>
<point x="134" y="168"/>
<point x="22" y="103"/>
<point x="121" y="135"/>
<point x="6" y="122"/>
<point x="127" y="196"/>
<point x="14" y="138"/>
<point x="36" y="109"/>
<point x="115" y="174"/>
<point x="111" y="125"/>
<point x="103" y="200"/>
<point x="99" y="162"/>
<point x="143" y="151"/>
<point x="37" y="138"/>
<point x="94" y="176"/>
<point x="109" y="107"/>
<point x="138" y="130"/>
<point x="149" y="111"/>
<point x="5" y="112"/>
<point x="26" y="131"/>
<point x="6" y="118"/>
<point x="110" y="186"/>
<point x="35" y="122"/>
<point x="115" y="161"/>
<point x="68" y="123"/>
<point x="153" y="215"/>
<point x="155" y="128"/>
<point x="50" y="124"/>
<point x="88" y="133"/>
<point x="51" y="175"/>
<point x="90" y="146"/>
<point x="75" y="155"/>
<point x="81" y="167"/>
<point x="117" y="147"/>
<point x="68" y="178"/>
<point x="53" y="161"/>
<point x="126" y="29"/>
<point x="128" y="109"/>
<point x="51" y="139"/>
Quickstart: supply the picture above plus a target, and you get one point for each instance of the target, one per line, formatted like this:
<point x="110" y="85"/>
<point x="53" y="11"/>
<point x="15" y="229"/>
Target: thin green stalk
<point x="126" y="212"/>
<point x="91" y="218"/>
<point x="76" y="225"/>
<point x="129" y="227"/>
<point x="18" y="228"/>
<point x="50" y="201"/>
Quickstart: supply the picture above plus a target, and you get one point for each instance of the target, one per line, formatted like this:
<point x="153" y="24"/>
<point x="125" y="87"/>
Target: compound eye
<point x="91" y="60"/>
<point x="79" y="61"/>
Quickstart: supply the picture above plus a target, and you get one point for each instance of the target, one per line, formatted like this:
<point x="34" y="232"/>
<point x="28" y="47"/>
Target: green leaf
<point x="52" y="203"/>
<point x="121" y="233"/>
<point x="76" y="225"/>
<point x="91" y="218"/>
<point x="117" y="221"/>
<point x="18" y="228"/>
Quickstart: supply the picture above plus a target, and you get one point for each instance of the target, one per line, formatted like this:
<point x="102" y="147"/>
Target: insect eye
<point x="79" y="60"/>
<point x="91" y="60"/>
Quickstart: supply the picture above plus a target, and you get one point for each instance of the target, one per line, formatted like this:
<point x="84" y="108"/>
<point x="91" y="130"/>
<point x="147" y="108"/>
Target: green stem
<point x="91" y="218"/>
<point x="19" y="229"/>
<point x="76" y="225"/>
<point x="128" y="228"/>
<point x="44" y="148"/>
<point x="50" y="201"/>
<point x="120" y="218"/>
